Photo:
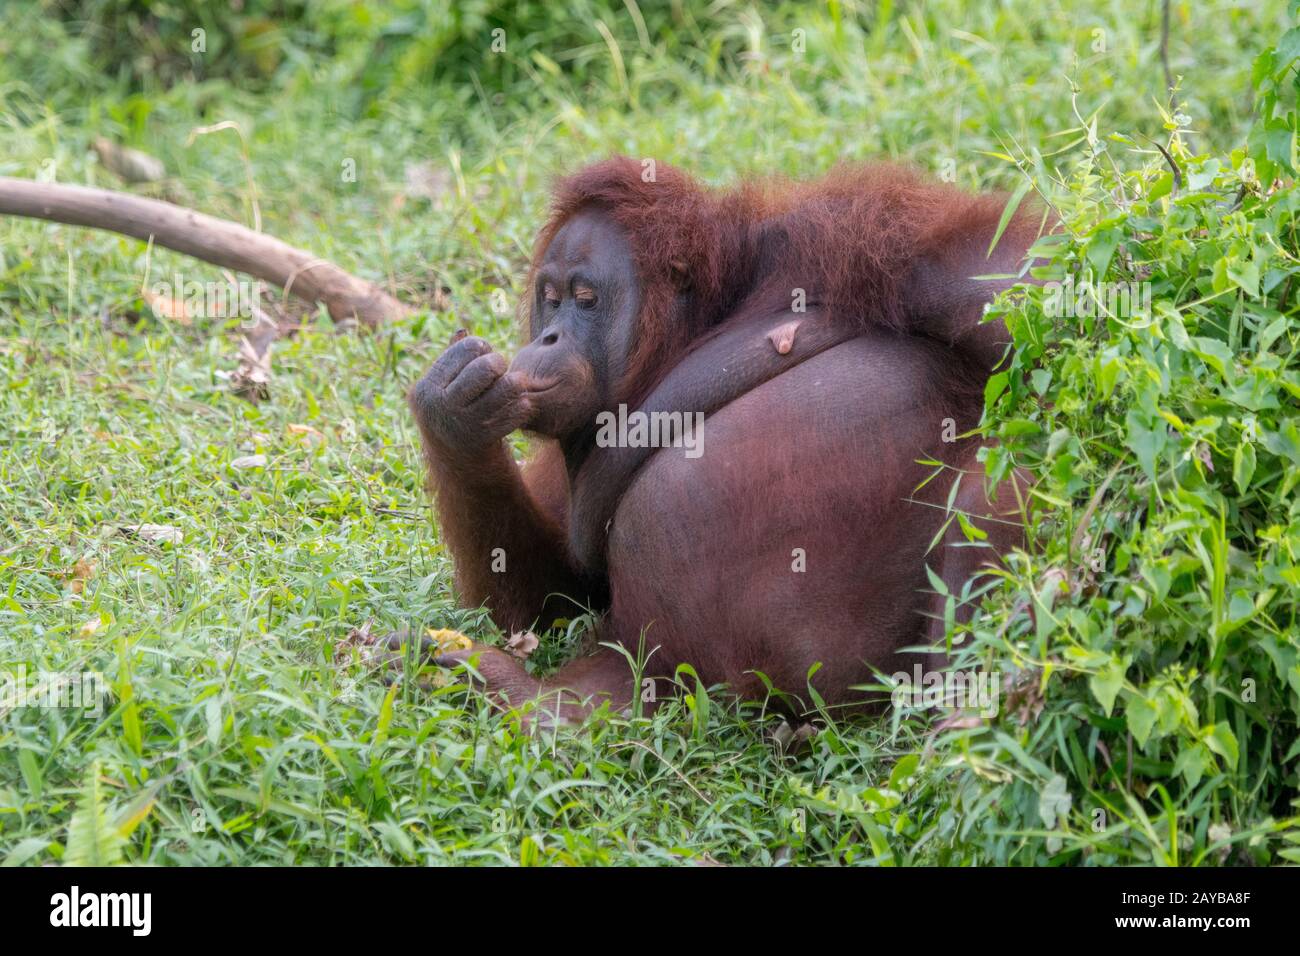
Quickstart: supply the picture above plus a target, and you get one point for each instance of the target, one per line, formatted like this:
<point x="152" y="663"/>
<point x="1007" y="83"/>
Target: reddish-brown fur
<point x="855" y="236"/>
<point x="697" y="559"/>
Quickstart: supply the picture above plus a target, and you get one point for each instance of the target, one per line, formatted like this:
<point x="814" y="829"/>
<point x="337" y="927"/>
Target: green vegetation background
<point x="1152" y="694"/>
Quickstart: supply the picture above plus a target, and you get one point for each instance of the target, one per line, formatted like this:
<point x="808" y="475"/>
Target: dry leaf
<point x="167" y="307"/>
<point x="522" y="644"/>
<point x="357" y="637"/>
<point x="1022" y="695"/>
<point x="129" y="164"/>
<point x="90" y="627"/>
<point x="252" y="377"/>
<point x="81" y="572"/>
<point x="249" y="461"/>
<point x="152" y="532"/>
<point x="1219" y="832"/>
<point x="792" y="741"/>
<point x="1203" y="453"/>
<point x="311" y="434"/>
<point x="959" y="721"/>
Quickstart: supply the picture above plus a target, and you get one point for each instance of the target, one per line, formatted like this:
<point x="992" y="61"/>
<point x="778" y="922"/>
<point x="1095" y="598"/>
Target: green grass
<point x="230" y="718"/>
<point x="220" y="651"/>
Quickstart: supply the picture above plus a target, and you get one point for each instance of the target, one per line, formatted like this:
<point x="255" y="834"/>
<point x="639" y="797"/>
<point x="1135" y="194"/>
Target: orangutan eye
<point x="585" y="296"/>
<point x="550" y="296"/>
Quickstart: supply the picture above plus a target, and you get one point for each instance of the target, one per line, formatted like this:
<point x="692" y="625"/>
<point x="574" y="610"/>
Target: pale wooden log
<point x="208" y="238"/>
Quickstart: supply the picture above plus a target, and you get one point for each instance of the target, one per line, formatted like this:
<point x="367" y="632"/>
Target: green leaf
<point x="212" y="715"/>
<point x="1101" y="248"/>
<point x="25" y="850"/>
<point x="1106" y="683"/>
<point x="31" y="771"/>
<point x="137" y="811"/>
<point x="1191" y="764"/>
<point x="1215" y="354"/>
<point x="1243" y="466"/>
<point x="92" y="840"/>
<point x="1140" y="715"/>
<point x="900" y="778"/>
<point x="1288" y="49"/>
<point x="132" y="731"/>
<point x="995" y="386"/>
<point x="1008" y="211"/>
<point x="1245" y="275"/>
<point x="970" y="531"/>
<point x="1147" y="443"/>
<point x="1279" y="142"/>
<point x="385" y="715"/>
<point x="1284" y="442"/>
<point x="1223" y="742"/>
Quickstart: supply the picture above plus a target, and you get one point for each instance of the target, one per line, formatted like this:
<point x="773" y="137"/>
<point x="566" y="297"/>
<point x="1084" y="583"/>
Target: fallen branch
<point x="213" y="240"/>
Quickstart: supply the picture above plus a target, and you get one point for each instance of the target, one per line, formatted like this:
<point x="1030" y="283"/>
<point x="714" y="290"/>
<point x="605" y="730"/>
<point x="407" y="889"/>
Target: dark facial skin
<point x="583" y="314"/>
<point x="583" y="307"/>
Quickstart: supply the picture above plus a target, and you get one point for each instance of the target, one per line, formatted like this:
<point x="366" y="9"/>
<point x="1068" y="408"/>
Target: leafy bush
<point x="1148" y="645"/>
<point x="387" y="49"/>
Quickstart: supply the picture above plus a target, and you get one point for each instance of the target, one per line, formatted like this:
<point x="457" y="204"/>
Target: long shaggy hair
<point x="848" y="240"/>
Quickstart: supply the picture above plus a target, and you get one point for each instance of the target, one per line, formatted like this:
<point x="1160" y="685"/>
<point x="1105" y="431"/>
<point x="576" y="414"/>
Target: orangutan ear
<point x="681" y="278"/>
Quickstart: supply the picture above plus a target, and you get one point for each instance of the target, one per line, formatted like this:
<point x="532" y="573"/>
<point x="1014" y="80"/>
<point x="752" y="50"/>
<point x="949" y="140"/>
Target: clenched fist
<point x="467" y="402"/>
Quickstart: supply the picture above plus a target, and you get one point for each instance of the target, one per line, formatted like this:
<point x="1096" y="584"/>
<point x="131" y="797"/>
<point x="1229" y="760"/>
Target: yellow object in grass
<point x="448" y="639"/>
